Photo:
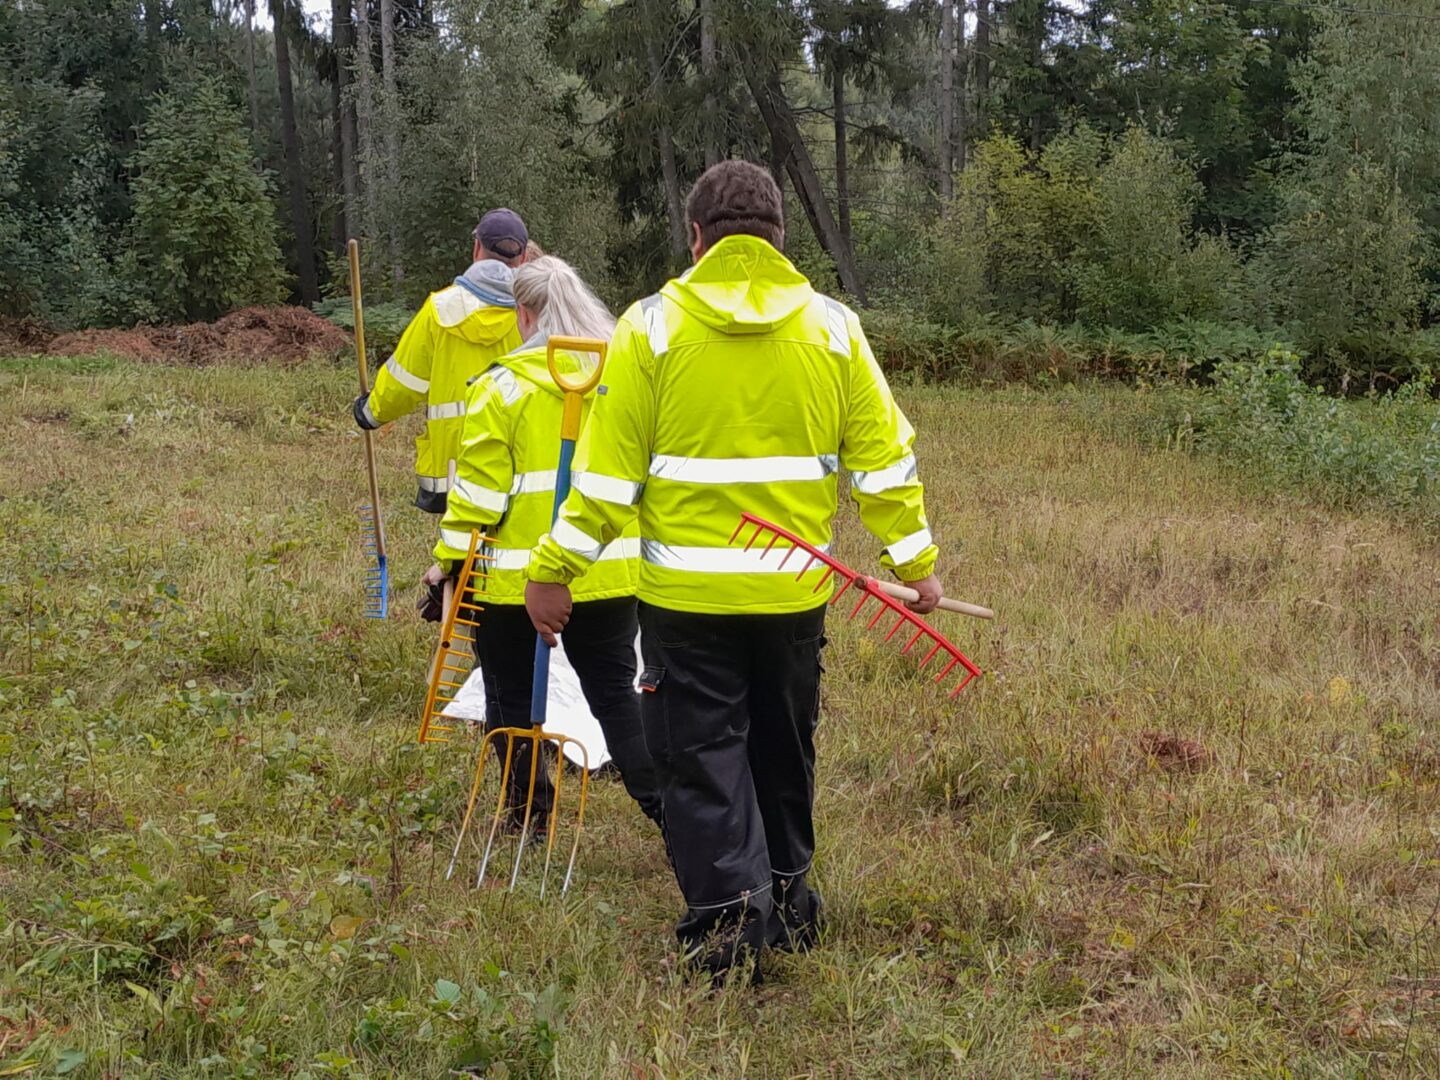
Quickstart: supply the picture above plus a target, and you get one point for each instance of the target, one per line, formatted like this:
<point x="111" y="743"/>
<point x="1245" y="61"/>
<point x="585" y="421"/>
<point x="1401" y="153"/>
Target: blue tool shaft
<point x="540" y="689"/>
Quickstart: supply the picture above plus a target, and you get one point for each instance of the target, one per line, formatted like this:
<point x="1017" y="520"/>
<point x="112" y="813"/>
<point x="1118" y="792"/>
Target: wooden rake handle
<point x="902" y="592"/>
<point x="357" y="308"/>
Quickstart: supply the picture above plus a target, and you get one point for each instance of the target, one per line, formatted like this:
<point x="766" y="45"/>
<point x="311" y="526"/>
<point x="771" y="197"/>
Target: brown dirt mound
<point x="1174" y="753"/>
<point x="250" y="336"/>
<point x="131" y="344"/>
<point x="23" y="337"/>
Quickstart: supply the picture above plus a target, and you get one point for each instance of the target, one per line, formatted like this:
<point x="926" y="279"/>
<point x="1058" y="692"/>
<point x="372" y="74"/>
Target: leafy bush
<point x="1140" y="265"/>
<point x="1090" y="229"/>
<point x="1383" y="450"/>
<point x="989" y="350"/>
<point x="204" y="226"/>
<point x="1345" y="259"/>
<point x="384" y="323"/>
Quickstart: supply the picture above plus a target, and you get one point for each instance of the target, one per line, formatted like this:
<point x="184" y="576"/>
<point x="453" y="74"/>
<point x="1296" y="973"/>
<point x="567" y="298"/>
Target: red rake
<point x="867" y="589"/>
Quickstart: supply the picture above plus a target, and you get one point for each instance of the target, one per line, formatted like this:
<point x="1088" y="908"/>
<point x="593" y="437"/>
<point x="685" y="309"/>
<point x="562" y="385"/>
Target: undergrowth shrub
<point x="990" y="350"/>
<point x="1382" y="450"/>
<point x="384" y="323"/>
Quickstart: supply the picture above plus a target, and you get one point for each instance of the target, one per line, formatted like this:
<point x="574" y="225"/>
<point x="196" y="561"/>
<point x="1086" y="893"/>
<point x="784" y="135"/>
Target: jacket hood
<point x="742" y="285"/>
<point x="480" y="306"/>
<point x="529" y="363"/>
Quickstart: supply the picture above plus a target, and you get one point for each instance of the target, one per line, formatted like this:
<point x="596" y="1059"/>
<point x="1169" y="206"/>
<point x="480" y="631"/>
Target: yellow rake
<point x="455" y="656"/>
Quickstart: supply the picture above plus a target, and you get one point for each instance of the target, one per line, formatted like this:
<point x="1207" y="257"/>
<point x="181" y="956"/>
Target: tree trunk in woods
<point x="961" y="82"/>
<point x="391" y="123"/>
<point x="250" y="61"/>
<point x="707" y="72"/>
<point x="154" y="24"/>
<point x="842" y="155"/>
<point x="342" y="38"/>
<point x="982" y="66"/>
<point x="365" y="114"/>
<point x="338" y="227"/>
<point x="947" y="99"/>
<point x="299" y="219"/>
<point x="674" y="204"/>
<point x="775" y="110"/>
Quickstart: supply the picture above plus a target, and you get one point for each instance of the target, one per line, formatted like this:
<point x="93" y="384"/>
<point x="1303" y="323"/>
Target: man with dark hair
<point x="458" y="333"/>
<point x="737" y="387"/>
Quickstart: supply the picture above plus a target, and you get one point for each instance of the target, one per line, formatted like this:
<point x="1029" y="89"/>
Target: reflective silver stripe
<point x="483" y="497"/>
<point x="902" y="551"/>
<point x="527" y="483"/>
<point x="653" y="308"/>
<point x="722" y="560"/>
<point x="835" y="318"/>
<point x="434" y="483"/>
<point x="572" y="539"/>
<point x="755" y="470"/>
<point x="606" y="488"/>
<point x="892" y="476"/>
<point x="519" y="558"/>
<point x="627" y="547"/>
<point x="368" y="415"/>
<point x="506" y="383"/>
<point x="404" y="378"/>
<point x="448" y="411"/>
<point x="456" y="539"/>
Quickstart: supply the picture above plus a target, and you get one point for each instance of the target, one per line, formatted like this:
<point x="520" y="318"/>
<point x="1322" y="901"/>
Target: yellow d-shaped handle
<point x="575" y="389"/>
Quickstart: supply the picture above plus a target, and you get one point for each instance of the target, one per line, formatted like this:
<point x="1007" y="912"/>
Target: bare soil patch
<point x="245" y="338"/>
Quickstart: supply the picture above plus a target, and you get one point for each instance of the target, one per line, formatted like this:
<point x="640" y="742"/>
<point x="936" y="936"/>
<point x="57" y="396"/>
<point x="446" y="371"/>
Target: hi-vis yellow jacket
<point x="457" y="334"/>
<point x="737" y="387"/>
<point x="506" y="474"/>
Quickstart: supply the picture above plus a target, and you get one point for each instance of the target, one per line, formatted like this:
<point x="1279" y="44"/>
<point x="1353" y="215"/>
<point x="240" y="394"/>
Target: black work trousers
<point x="600" y="644"/>
<point x="730" y="709"/>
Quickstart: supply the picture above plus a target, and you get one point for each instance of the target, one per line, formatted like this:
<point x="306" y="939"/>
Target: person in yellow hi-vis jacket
<point x="504" y="487"/>
<point x="737" y="387"/>
<point x="458" y="333"/>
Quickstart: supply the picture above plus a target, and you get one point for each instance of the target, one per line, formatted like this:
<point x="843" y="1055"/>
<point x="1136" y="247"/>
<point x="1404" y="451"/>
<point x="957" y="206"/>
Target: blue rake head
<point x="377" y="576"/>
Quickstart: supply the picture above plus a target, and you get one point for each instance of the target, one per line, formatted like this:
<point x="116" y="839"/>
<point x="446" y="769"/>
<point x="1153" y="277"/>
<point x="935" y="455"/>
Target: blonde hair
<point x="551" y="290"/>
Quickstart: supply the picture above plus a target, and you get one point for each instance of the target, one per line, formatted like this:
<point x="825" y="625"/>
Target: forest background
<point x="1142" y="185"/>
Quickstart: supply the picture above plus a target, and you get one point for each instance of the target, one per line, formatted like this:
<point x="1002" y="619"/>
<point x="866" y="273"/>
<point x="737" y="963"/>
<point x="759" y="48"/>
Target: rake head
<point x="530" y="802"/>
<point x="377" y="574"/>
<point x="918" y="637"/>
<point x="455" y="655"/>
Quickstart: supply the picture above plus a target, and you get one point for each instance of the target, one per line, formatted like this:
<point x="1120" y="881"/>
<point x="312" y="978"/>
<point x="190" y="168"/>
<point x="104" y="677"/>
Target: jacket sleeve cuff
<point x="917" y="569"/>
<point x="547" y="564"/>
<point x="363" y="416"/>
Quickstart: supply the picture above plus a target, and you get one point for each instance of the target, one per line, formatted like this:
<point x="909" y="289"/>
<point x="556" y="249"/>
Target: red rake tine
<point x="867" y="589"/>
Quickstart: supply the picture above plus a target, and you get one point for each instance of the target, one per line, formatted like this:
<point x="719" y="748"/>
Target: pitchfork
<point x="574" y="388"/>
<point x="377" y="575"/>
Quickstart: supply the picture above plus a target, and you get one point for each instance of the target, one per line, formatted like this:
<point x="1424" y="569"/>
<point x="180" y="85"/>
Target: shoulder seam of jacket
<point x="837" y="322"/>
<point x="652" y="310"/>
<point x="504" y="381"/>
<point x="469" y="304"/>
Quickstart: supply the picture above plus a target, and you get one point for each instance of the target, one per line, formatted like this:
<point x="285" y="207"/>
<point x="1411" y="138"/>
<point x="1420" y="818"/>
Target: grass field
<point x="1186" y="826"/>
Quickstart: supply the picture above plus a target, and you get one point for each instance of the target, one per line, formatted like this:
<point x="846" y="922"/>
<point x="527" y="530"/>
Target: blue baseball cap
<point x="501" y="232"/>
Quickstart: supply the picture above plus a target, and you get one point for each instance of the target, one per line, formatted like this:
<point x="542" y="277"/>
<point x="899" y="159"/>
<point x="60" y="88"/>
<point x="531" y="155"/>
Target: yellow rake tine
<point x="554" y="804"/>
<point x="500" y="802"/>
<point x="529" y="809"/>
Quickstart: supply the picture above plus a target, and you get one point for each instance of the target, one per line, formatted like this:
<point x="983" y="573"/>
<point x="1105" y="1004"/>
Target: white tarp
<point x="567" y="712"/>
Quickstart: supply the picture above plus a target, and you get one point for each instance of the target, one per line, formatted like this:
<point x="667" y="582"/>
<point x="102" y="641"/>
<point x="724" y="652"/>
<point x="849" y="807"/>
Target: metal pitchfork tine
<point x="536" y="736"/>
<point x="886" y="596"/>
